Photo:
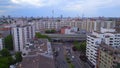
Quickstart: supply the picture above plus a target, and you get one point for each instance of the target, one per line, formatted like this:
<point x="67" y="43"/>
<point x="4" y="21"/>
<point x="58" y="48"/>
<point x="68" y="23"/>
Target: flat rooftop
<point x="38" y="46"/>
<point x="36" y="62"/>
<point x="39" y="55"/>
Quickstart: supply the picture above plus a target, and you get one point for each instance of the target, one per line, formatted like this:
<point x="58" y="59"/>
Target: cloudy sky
<point x="90" y="8"/>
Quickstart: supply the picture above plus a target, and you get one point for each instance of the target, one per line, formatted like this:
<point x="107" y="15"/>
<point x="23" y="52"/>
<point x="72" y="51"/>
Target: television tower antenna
<point x="53" y="13"/>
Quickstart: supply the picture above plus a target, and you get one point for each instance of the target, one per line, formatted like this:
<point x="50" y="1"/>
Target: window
<point x="111" y="41"/>
<point x="118" y="35"/>
<point x="110" y="44"/>
<point x="111" y="38"/>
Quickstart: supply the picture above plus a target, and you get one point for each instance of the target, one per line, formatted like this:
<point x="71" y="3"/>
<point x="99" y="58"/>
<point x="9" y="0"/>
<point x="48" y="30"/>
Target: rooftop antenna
<point x="61" y="16"/>
<point x="83" y="16"/>
<point x="78" y="15"/>
<point x="52" y="13"/>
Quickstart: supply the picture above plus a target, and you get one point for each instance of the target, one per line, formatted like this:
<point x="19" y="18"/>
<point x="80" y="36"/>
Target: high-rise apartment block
<point x="88" y="24"/>
<point x="21" y="35"/>
<point x="1" y="43"/>
<point x="108" y="56"/>
<point x="109" y="36"/>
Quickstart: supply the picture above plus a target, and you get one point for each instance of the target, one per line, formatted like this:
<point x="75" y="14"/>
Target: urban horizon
<point x="67" y="8"/>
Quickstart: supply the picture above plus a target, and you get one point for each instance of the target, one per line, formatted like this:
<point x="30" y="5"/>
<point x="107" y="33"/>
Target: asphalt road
<point x="76" y="61"/>
<point x="60" y="60"/>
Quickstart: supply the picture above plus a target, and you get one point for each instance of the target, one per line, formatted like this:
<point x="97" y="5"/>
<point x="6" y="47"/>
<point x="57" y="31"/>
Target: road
<point x="84" y="64"/>
<point x="76" y="61"/>
<point x="60" y="60"/>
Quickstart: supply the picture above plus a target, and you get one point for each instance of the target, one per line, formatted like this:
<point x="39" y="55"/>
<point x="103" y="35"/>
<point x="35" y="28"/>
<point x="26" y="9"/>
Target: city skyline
<point x="56" y="8"/>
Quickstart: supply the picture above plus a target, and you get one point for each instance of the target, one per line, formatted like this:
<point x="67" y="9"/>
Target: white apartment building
<point x="108" y="36"/>
<point x="83" y="24"/>
<point x="21" y="35"/>
<point x="1" y="43"/>
<point x="105" y="24"/>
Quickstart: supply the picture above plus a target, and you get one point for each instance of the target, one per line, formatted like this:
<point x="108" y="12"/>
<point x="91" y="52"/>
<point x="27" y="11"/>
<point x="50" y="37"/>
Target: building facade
<point x="108" y="36"/>
<point x="108" y="57"/>
<point x="21" y="35"/>
<point x="1" y="43"/>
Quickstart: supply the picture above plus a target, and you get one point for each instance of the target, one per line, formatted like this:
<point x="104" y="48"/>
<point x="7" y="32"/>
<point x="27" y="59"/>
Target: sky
<point x="56" y="8"/>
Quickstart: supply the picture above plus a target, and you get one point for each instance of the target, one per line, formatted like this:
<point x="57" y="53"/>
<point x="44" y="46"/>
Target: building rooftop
<point x="93" y="36"/>
<point x="36" y="62"/>
<point x="109" y="49"/>
<point x="5" y="29"/>
<point x="38" y="46"/>
<point x="39" y="55"/>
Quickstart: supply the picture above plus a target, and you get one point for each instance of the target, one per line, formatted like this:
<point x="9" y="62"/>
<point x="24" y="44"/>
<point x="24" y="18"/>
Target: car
<point x="73" y="57"/>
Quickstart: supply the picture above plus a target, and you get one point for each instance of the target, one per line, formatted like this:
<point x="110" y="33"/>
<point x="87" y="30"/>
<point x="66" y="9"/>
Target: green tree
<point x="50" y="31"/>
<point x="83" y="46"/>
<point x="6" y="59"/>
<point x="71" y="65"/>
<point x="8" y="41"/>
<point x="2" y="65"/>
<point x="18" y="56"/>
<point x="4" y="52"/>
<point x="38" y="35"/>
<point x="68" y="60"/>
<point x="5" y="62"/>
<point x="53" y="31"/>
<point x="10" y="60"/>
<point x="79" y="46"/>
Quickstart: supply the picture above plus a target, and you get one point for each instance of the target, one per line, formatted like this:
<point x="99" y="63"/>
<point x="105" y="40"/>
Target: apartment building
<point x="1" y="43"/>
<point x="108" y="36"/>
<point x="108" y="57"/>
<point x="92" y="48"/>
<point x="21" y="35"/>
<point x="88" y="24"/>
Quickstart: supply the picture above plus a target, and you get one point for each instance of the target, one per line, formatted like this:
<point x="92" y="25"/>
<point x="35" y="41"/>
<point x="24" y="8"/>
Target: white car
<point x="73" y="57"/>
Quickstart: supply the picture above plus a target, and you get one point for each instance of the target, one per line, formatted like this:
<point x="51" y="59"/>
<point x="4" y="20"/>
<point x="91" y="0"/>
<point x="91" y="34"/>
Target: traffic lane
<point x="76" y="63"/>
<point x="60" y="59"/>
<point x="85" y="64"/>
<point x="76" y="60"/>
<point x="73" y="58"/>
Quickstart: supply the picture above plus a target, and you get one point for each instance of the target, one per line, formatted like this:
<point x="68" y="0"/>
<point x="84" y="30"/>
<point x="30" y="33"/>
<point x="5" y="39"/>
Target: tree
<point x="5" y="62"/>
<point x="53" y="31"/>
<point x="50" y="31"/>
<point x="6" y="59"/>
<point x="8" y="41"/>
<point x="83" y="46"/>
<point x="79" y="46"/>
<point x="18" y="56"/>
<point x="74" y="48"/>
<point x="10" y="60"/>
<point x="38" y="35"/>
<point x="4" y="52"/>
<point x="71" y="65"/>
<point x="68" y="60"/>
<point x="83" y="57"/>
<point x="2" y="65"/>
